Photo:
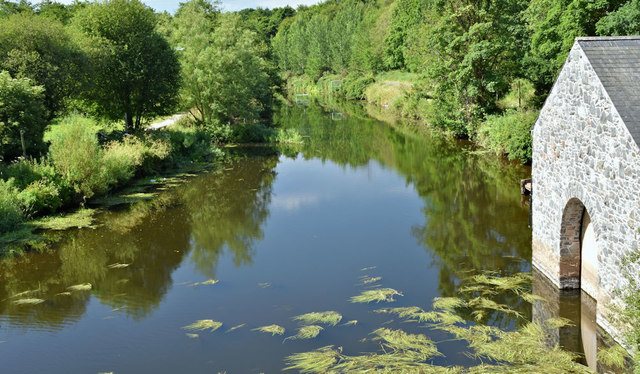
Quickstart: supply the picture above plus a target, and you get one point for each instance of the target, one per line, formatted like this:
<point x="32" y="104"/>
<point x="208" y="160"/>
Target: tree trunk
<point x="128" y="123"/>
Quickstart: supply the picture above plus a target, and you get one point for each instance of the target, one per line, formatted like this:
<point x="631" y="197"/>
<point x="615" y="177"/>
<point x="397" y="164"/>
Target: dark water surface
<point x="286" y="232"/>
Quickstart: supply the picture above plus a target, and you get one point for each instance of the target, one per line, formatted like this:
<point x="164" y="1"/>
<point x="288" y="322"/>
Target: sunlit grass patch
<point x="237" y="327"/>
<point x="377" y="295"/>
<point x="306" y="332"/>
<point x="80" y="287"/>
<point x="330" y="318"/>
<point x="28" y="301"/>
<point x="271" y="329"/>
<point x="204" y="324"/>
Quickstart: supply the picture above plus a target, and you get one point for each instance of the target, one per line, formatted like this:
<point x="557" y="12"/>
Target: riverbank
<point x="507" y="134"/>
<point x="88" y="162"/>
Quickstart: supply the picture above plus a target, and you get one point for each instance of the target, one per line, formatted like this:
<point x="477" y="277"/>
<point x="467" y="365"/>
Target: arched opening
<point x="578" y="250"/>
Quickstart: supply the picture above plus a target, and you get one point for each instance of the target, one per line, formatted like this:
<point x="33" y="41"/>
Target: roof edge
<point x="604" y="38"/>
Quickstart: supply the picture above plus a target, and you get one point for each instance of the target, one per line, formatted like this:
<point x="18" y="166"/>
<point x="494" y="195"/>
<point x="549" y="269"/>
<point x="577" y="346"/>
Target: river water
<point x="285" y="231"/>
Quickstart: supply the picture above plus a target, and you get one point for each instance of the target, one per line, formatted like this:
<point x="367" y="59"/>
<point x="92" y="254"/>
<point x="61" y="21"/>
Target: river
<point x="284" y="231"/>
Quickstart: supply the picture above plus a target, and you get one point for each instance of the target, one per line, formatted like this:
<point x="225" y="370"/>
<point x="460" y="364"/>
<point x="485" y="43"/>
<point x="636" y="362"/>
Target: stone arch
<point x="578" y="249"/>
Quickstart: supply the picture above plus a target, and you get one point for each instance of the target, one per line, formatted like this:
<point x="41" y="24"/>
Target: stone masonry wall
<point x="582" y="150"/>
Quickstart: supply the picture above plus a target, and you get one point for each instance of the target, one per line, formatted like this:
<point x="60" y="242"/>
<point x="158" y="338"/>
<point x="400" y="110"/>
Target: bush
<point x="508" y="134"/>
<point x="41" y="196"/>
<point x="251" y="133"/>
<point x="11" y="213"/>
<point x="353" y="86"/>
<point x="41" y="189"/>
<point x="76" y="155"/>
<point x="188" y="143"/>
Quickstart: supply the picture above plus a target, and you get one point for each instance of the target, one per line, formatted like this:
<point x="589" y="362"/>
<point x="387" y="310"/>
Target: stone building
<point x="586" y="171"/>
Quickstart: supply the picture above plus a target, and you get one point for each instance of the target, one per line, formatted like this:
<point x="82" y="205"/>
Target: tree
<point x="225" y="78"/>
<point x="135" y="73"/>
<point x="22" y="116"/>
<point x="624" y="21"/>
<point x="39" y="48"/>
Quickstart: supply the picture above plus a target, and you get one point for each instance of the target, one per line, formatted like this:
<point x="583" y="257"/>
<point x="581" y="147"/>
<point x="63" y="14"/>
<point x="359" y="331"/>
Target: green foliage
<point x="11" y="213"/>
<point x="41" y="49"/>
<point x="354" y="85"/>
<point x="624" y="21"/>
<point x="225" y="78"/>
<point x="76" y="155"/>
<point x="626" y="315"/>
<point x="553" y="26"/>
<point x="134" y="72"/>
<point x="509" y="134"/>
<point x="90" y="169"/>
<point x="21" y="110"/>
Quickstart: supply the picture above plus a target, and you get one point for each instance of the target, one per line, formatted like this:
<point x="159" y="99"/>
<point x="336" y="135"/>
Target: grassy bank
<point x="507" y="134"/>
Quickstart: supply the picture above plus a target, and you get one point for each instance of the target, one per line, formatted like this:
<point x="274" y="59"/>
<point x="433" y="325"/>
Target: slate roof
<point x="616" y="60"/>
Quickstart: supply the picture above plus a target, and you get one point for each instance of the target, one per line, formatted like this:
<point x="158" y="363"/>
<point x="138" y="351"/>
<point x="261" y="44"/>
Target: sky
<point x="228" y="5"/>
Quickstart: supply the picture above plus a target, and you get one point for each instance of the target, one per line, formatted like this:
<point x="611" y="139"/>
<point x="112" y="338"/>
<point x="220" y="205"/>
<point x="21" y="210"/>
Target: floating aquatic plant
<point x="330" y="318"/>
<point x="318" y="361"/>
<point x="192" y="336"/>
<point x="365" y="279"/>
<point x="80" y="287"/>
<point x="307" y="332"/>
<point x="206" y="283"/>
<point x="118" y="266"/>
<point x="204" y="324"/>
<point x="368" y="268"/>
<point x="522" y="351"/>
<point x="64" y="294"/>
<point x="237" y="327"/>
<point x="29" y="301"/>
<point x="271" y="329"/>
<point x="377" y="295"/>
<point x="353" y="322"/>
<point x="264" y="284"/>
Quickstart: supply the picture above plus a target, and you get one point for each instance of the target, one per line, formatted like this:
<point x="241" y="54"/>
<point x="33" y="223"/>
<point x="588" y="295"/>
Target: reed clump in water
<point x="330" y="318"/>
<point x="271" y="329"/>
<point x="204" y="324"/>
<point x="377" y="295"/>
<point x="306" y="332"/>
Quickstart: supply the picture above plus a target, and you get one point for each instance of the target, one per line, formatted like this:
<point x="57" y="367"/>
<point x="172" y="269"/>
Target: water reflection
<point x="227" y="210"/>
<point x="473" y="219"/>
<point x="583" y="336"/>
